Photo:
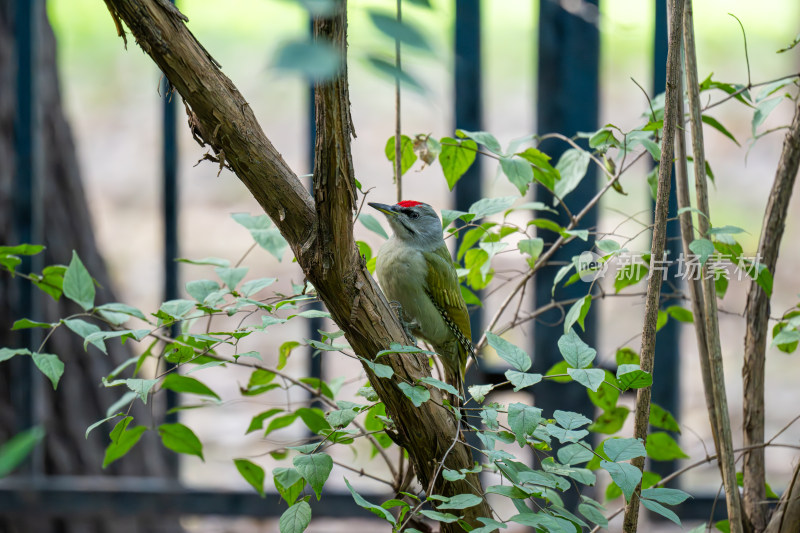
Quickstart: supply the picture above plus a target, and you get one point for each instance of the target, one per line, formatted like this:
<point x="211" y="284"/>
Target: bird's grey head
<point x="413" y="222"/>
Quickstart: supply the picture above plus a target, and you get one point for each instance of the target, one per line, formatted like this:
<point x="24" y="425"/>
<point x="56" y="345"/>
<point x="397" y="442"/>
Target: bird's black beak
<point x="388" y="210"/>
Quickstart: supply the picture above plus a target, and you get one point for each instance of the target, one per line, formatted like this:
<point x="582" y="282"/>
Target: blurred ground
<point x="111" y="96"/>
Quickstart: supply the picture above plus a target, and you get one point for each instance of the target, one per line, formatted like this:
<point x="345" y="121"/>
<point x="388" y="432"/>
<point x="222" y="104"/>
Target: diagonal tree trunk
<point x="79" y="401"/>
<point x="318" y="230"/>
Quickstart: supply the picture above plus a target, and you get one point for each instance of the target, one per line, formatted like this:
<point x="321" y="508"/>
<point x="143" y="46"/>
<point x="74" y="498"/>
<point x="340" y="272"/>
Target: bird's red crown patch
<point x="408" y="203"/>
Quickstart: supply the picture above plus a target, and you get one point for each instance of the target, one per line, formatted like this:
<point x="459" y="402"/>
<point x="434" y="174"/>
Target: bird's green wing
<point x="443" y="289"/>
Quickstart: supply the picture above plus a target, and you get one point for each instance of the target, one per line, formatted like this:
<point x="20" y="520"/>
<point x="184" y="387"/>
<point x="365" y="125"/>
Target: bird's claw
<point x="408" y="326"/>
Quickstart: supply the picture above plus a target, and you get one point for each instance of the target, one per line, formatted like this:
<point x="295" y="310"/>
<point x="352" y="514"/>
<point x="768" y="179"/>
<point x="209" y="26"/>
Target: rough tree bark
<point x="318" y="230"/>
<point x="757" y="318"/>
<point x="79" y="401"/>
<point x="673" y="94"/>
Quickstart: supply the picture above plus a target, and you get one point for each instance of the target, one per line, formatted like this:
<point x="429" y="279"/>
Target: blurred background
<point x="112" y="100"/>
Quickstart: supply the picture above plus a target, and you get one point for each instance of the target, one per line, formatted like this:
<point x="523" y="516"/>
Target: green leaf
<point x="296" y="518"/>
<point x="17" y="448"/>
<point x="661" y="418"/>
<point x="8" y="353"/>
<point x="703" y="248"/>
<point x="199" y="289"/>
<point x="577" y="313"/>
<point x="124" y="309"/>
<point x="662" y="447"/>
<point x="518" y="171"/>
<point x="380" y="370"/>
<point x="593" y="514"/>
<point x="521" y="380"/>
<point x="483" y="138"/>
<point x="26" y="323"/>
<point x="543" y="171"/>
<point x="315" y="60"/>
<point x="510" y="353"/>
<point x="456" y="158"/>
<point x="98" y="423"/>
<point x="260" y="228"/>
<point x="181" y="439"/>
<point x="490" y="206"/>
<point x="314" y="419"/>
<point x="179" y="383"/>
<point x="50" y="365"/>
<point x="78" y="284"/>
<point x="569" y="419"/>
<point x="231" y="276"/>
<point x="523" y="419"/>
<point x="479" y="392"/>
<point x="141" y="387"/>
<point x="390" y="70"/>
<point x="625" y="475"/>
<point x="591" y="378"/>
<point x="623" y="449"/>
<point x="572" y="167"/>
<point x="575" y="453"/>
<point x="407" y="156"/>
<point x="122" y="440"/>
<point x="376" y="509"/>
<point x="289" y="483"/>
<point x="372" y="224"/>
<point x="341" y="418"/>
<point x="610" y="421"/>
<point x="315" y="469"/>
<point x="576" y="353"/>
<point x="416" y="393"/>
<point x="629" y="274"/>
<point x="446" y="518"/>
<point x="399" y="30"/>
<point x="606" y="396"/>
<point x="714" y="123"/>
<point x="252" y="473"/>
<point x="531" y="247"/>
<point x="441" y="385"/>
<point x="666" y="496"/>
<point x="21" y="249"/>
<point x="461" y="501"/>
<point x="763" y="109"/>
<point x="633" y="377"/>
<point x="680" y="313"/>
<point x="257" y="422"/>
<point x="51" y="280"/>
<point x="660" y="509"/>
<point x="626" y="356"/>
<point x="253" y="286"/>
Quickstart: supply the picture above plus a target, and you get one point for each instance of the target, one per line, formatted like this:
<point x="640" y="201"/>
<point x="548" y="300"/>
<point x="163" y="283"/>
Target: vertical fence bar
<point x="666" y="370"/>
<point x="27" y="213"/>
<point x="468" y="109"/>
<point x="568" y="73"/>
<point x="171" y="209"/>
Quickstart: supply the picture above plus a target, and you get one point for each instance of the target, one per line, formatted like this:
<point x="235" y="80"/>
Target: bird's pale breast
<point x="402" y="271"/>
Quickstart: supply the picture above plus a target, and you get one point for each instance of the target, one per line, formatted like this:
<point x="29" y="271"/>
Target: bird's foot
<point x="408" y="326"/>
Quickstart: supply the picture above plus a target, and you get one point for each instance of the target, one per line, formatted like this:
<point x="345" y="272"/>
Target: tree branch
<point x="757" y="318"/>
<point x="673" y="94"/>
<point x="724" y="440"/>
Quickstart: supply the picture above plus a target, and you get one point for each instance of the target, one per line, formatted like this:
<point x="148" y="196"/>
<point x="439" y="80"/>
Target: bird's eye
<point x="413" y="214"/>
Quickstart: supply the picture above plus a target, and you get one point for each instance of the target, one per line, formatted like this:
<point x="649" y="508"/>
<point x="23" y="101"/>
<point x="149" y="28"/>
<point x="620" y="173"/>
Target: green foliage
<point x="17" y="448"/>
